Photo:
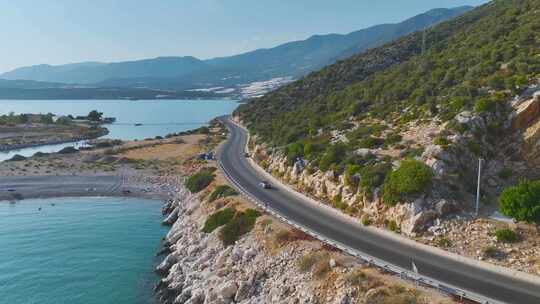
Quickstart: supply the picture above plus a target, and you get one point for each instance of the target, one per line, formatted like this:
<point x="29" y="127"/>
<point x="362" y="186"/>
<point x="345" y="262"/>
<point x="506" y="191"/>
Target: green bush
<point x="441" y="141"/>
<point x="474" y="147"/>
<point x="365" y="221"/>
<point x="392" y="226"/>
<point x="241" y="224"/>
<point x="222" y="191"/>
<point x="370" y="143"/>
<point x="506" y="235"/>
<point x="412" y="177"/>
<point x="218" y="219"/>
<point x="392" y="138"/>
<point x="333" y="155"/>
<point x="505" y="173"/>
<point x="522" y="202"/>
<point x="200" y="180"/>
<point x="293" y="151"/>
<point x="373" y="176"/>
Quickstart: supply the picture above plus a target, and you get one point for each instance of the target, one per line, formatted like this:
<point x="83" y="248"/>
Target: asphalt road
<point x="472" y="278"/>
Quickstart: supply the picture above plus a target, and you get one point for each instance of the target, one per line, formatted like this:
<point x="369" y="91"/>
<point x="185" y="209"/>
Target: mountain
<point x="393" y="134"/>
<point x="89" y="73"/>
<point x="300" y="57"/>
<point x="461" y="66"/>
<point x="294" y="59"/>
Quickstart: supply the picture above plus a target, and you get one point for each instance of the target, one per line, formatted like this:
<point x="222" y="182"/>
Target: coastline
<point x="14" y="147"/>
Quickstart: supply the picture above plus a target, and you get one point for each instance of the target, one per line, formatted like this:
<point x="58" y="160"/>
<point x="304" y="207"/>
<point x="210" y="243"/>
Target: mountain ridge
<point x="296" y="59"/>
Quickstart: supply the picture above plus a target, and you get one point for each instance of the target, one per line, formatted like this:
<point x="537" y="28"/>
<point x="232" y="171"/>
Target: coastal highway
<point x="498" y="286"/>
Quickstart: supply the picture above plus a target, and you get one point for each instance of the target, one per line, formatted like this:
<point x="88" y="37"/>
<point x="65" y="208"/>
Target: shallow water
<point x="81" y="250"/>
<point x="158" y="117"/>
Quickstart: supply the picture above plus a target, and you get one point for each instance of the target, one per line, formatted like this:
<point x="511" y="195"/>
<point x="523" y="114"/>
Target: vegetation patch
<point x="241" y="223"/>
<point x="522" y="202"/>
<point x="218" y="219"/>
<point x="222" y="191"/>
<point x="412" y="177"/>
<point x="506" y="235"/>
<point x="200" y="180"/>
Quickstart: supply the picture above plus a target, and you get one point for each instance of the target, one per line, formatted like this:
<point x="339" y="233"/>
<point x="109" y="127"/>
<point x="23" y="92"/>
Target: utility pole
<point x="478" y="186"/>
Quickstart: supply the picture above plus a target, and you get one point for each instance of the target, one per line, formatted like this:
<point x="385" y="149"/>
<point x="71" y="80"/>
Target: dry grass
<point x="163" y="150"/>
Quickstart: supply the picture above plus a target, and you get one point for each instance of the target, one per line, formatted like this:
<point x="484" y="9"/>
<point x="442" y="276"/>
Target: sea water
<point x="79" y="250"/>
<point x="152" y="117"/>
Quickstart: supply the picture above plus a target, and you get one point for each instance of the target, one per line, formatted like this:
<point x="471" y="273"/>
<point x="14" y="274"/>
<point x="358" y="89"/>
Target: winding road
<point x="497" y="286"/>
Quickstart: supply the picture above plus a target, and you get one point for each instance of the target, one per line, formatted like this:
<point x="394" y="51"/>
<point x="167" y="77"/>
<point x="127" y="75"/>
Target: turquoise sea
<point x="79" y="250"/>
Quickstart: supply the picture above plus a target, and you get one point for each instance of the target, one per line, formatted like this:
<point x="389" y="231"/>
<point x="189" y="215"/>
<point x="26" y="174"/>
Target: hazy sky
<point x="64" y="31"/>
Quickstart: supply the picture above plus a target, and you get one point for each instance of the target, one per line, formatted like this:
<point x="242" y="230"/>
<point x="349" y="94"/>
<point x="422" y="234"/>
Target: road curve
<point x="485" y="282"/>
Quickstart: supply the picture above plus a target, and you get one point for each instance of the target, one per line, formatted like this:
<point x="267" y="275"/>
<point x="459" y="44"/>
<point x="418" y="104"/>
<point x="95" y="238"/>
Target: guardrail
<point x="448" y="289"/>
<point x="373" y="261"/>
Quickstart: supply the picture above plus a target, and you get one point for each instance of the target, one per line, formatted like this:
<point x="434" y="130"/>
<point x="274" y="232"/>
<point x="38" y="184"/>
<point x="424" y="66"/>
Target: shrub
<point x="484" y="105"/>
<point x="222" y="191"/>
<point x="282" y="236"/>
<point x="241" y="224"/>
<point x="332" y="156"/>
<point x="370" y="143"/>
<point x="293" y="151"/>
<point x="392" y="226"/>
<point x="522" y="202"/>
<point x="412" y="177"/>
<point x="356" y="278"/>
<point x="490" y="252"/>
<point x="373" y="176"/>
<point x="200" y="180"/>
<point x="392" y="139"/>
<point x="505" y="173"/>
<point x="441" y="141"/>
<point x="218" y="219"/>
<point x="506" y="235"/>
<point x="365" y="220"/>
<point x="444" y="242"/>
<point x="321" y="268"/>
<point x="307" y="262"/>
<point x="474" y="147"/>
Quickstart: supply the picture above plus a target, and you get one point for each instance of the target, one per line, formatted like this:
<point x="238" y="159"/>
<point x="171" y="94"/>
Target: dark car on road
<point x="265" y="185"/>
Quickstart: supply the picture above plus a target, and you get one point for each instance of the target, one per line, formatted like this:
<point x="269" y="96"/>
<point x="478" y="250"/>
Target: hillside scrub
<point x="240" y="224"/>
<point x="200" y="180"/>
<point x="220" y="192"/>
<point x="506" y="235"/>
<point x="412" y="177"/>
<point x="218" y="219"/>
<point x="522" y="202"/>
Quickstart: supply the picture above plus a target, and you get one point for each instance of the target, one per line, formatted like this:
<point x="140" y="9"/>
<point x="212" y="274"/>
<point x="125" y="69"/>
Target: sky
<point x="67" y="31"/>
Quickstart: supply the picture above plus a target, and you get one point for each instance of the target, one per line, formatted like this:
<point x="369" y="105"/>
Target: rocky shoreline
<point x="272" y="264"/>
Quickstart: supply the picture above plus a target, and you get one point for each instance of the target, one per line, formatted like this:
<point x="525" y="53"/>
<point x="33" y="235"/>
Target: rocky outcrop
<point x="200" y="270"/>
<point x="526" y="113"/>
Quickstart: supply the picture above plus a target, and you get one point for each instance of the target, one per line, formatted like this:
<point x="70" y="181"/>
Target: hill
<point x="294" y="59"/>
<point x="408" y="122"/>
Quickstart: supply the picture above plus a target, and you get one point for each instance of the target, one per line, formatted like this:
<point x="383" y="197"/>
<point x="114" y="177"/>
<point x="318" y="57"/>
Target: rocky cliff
<point x="272" y="264"/>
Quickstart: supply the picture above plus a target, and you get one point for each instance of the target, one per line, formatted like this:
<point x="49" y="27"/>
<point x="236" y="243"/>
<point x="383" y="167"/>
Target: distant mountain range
<point x="229" y="74"/>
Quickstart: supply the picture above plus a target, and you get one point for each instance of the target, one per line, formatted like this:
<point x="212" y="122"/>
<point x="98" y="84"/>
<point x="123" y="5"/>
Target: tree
<point x="522" y="202"/>
<point x="94" y="115"/>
